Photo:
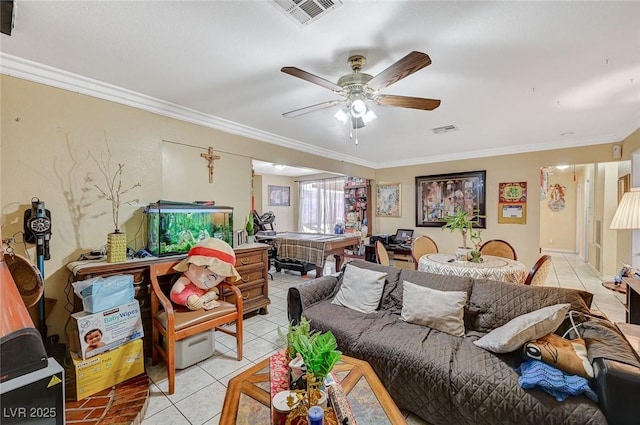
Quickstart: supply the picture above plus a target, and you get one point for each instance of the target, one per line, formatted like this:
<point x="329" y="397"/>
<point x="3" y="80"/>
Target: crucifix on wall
<point x="209" y="156"/>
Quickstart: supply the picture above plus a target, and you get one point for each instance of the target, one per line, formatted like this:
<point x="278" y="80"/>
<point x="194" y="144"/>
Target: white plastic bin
<point x="194" y="349"/>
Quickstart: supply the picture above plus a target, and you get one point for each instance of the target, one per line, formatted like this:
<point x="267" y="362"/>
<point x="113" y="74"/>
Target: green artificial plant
<point x="461" y="221"/>
<point x="319" y="353"/>
<point x="249" y="226"/>
<point x="294" y="333"/>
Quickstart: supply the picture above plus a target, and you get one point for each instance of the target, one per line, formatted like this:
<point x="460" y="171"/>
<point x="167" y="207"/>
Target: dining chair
<point x="499" y="248"/>
<point x="422" y="245"/>
<point x="382" y="256"/>
<point x="539" y="271"/>
<point x="174" y="323"/>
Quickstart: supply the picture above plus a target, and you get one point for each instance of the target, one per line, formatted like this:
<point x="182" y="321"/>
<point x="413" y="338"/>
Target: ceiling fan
<point x="359" y="88"/>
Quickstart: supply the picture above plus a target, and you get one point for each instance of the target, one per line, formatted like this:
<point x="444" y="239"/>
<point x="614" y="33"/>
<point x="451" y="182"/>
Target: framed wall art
<point x="279" y="196"/>
<point x="388" y="200"/>
<point x="512" y="203"/>
<point x="439" y="195"/>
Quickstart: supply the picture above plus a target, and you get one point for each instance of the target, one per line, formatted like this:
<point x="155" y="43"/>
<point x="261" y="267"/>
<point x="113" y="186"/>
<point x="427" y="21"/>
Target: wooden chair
<point x="175" y="323"/>
<point x="421" y="246"/>
<point x="539" y="271"/>
<point x="382" y="255"/>
<point x="499" y="248"/>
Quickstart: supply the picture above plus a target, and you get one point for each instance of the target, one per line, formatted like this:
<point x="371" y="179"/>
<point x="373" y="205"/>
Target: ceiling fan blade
<point x="406" y="66"/>
<point x="311" y="108"/>
<point x="407" y="102"/>
<point x="297" y="72"/>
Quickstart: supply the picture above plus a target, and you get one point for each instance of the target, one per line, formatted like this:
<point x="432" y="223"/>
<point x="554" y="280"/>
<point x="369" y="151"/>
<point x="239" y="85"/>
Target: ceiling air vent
<point x="444" y="129"/>
<point x="305" y="12"/>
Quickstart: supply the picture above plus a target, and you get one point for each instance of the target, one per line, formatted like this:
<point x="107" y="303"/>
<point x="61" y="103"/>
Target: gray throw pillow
<point x="515" y="333"/>
<point x="441" y="310"/>
<point x="361" y="289"/>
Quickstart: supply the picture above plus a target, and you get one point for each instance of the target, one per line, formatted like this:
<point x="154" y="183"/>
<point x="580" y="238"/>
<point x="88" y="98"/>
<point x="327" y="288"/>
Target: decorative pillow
<point x="361" y="289"/>
<point x="567" y="355"/>
<point x="441" y="310"/>
<point x="516" y="332"/>
<point x="534" y="373"/>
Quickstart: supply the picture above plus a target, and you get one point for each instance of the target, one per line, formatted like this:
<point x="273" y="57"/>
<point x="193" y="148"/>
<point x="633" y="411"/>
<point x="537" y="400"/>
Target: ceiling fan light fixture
<point x="358" y="108"/>
<point x="369" y="116"/>
<point x="342" y="115"/>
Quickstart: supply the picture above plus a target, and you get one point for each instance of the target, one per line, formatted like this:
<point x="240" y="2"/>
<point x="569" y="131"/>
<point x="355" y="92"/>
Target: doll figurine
<point x="209" y="262"/>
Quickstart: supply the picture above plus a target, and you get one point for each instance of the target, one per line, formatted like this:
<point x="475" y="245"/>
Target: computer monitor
<point x="403" y="235"/>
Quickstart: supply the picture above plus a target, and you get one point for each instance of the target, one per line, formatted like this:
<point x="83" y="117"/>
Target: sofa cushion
<point x="515" y="333"/>
<point x="492" y="304"/>
<point x="391" y="281"/>
<point x="392" y="296"/>
<point x="441" y="310"/>
<point x="361" y="289"/>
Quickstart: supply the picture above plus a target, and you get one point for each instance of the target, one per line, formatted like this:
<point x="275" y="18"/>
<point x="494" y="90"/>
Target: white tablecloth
<point x="494" y="268"/>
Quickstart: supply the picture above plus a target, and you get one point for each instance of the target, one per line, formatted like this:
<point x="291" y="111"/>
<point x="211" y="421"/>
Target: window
<point x="321" y="205"/>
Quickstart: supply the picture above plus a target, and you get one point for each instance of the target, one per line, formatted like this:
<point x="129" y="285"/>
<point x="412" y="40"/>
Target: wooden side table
<point x="633" y="299"/>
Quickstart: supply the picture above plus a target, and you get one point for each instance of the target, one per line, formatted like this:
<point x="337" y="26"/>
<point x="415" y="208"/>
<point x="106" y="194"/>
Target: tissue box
<point x="104" y="331"/>
<point x="103" y="293"/>
<point x="105" y="370"/>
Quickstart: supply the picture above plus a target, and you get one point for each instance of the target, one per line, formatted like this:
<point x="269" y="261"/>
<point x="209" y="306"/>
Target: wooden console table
<point x="633" y="300"/>
<point x="252" y="263"/>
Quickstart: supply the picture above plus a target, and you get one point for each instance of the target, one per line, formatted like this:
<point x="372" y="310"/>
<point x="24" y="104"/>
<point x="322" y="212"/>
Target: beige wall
<point x="47" y="133"/>
<point x="46" y="136"/>
<point x="558" y="228"/>
<point x="286" y="217"/>
<point x="507" y="168"/>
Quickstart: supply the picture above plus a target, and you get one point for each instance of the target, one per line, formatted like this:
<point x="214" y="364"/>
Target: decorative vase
<point x="463" y="254"/>
<point x="251" y="239"/>
<point x="116" y="247"/>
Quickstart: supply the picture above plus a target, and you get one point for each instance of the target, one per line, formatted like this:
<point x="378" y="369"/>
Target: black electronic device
<point x="37" y="227"/>
<point x="401" y="236"/>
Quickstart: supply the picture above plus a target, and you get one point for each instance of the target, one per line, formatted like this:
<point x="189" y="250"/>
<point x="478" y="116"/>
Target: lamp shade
<point x="627" y="215"/>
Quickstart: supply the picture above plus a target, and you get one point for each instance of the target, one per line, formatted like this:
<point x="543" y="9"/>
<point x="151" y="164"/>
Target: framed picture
<point x="439" y="195"/>
<point x="279" y="196"/>
<point x="512" y="203"/>
<point x="388" y="200"/>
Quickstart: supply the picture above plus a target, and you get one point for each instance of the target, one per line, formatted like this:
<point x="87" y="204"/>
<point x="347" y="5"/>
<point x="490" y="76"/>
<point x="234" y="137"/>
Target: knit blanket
<point x="535" y="373"/>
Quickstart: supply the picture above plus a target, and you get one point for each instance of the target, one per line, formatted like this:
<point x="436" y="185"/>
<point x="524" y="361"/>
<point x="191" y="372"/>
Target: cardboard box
<point x="93" y="375"/>
<point x="111" y="328"/>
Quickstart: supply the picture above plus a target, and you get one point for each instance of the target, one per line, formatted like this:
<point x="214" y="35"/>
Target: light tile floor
<point x="201" y="388"/>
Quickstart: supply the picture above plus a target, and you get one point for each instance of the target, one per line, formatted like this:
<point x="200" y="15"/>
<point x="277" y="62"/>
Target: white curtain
<point x="321" y="205"/>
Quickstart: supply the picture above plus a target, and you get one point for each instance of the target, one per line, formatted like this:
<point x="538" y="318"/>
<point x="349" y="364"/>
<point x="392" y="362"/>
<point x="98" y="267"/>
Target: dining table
<point x="491" y="267"/>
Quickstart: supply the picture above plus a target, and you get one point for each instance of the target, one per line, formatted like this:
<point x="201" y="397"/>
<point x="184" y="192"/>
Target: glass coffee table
<point x="248" y="397"/>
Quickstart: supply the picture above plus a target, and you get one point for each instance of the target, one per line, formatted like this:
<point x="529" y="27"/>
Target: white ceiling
<point x="512" y="76"/>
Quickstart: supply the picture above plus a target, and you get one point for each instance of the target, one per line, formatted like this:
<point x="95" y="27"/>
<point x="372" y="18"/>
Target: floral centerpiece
<point x="462" y="221"/>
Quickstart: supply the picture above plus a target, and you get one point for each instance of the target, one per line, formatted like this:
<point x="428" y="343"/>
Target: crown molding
<point x="33" y="71"/>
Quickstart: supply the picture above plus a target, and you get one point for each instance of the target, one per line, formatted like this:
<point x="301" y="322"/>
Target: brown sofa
<point x="447" y="379"/>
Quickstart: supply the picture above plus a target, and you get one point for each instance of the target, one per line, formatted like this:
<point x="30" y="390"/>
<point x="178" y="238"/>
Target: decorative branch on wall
<point x="209" y="156"/>
<point x="113" y="189"/>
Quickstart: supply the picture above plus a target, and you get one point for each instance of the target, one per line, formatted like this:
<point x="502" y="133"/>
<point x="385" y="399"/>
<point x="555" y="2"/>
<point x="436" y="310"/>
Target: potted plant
<point x="476" y="238"/>
<point x="249" y="228"/>
<point x="294" y="332"/>
<point x="461" y="221"/>
<point x="113" y="191"/>
<point x="320" y="354"/>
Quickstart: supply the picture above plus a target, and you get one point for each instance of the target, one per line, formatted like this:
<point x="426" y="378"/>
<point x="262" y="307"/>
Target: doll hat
<point x="214" y="253"/>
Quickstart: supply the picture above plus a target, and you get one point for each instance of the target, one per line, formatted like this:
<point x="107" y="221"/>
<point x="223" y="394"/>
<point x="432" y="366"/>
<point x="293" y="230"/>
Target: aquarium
<point x="173" y="228"/>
